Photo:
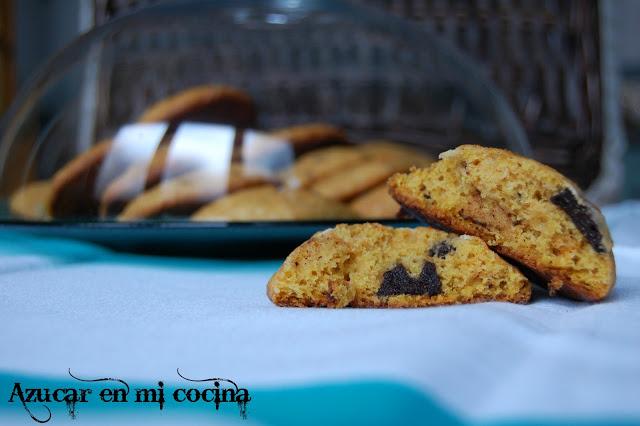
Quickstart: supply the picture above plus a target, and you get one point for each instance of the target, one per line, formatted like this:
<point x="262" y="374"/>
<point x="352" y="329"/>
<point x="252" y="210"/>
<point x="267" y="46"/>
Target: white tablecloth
<point x="72" y="305"/>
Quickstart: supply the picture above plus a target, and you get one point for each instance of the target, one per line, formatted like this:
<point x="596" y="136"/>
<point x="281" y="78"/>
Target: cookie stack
<point x="501" y="218"/>
<point x="327" y="177"/>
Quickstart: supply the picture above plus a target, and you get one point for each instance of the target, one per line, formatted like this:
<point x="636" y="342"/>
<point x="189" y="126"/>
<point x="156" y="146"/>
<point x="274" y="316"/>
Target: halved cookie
<point x="523" y="209"/>
<point x="268" y="203"/>
<point x="370" y="265"/>
<point x="184" y="194"/>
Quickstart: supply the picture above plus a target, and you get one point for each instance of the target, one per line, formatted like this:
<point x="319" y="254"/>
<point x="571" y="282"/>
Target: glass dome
<point x="237" y="111"/>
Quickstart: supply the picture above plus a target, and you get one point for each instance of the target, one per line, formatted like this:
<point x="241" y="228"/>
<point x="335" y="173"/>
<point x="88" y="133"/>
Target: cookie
<point x="523" y="209"/>
<point x="305" y="137"/>
<point x="372" y="266"/>
<point x="399" y="156"/>
<point x="376" y="204"/>
<point x="320" y="163"/>
<point x="140" y="177"/>
<point x="184" y="194"/>
<point x="74" y="191"/>
<point x="73" y="186"/>
<point x="349" y="183"/>
<point x="31" y="200"/>
<point x="207" y="103"/>
<point x="267" y="203"/>
<point x="131" y="183"/>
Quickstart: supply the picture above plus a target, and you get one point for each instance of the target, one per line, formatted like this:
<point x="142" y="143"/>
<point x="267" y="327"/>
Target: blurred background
<point x="569" y="68"/>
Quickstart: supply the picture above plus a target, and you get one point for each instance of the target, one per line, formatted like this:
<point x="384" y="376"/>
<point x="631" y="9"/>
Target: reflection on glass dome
<point x="134" y="143"/>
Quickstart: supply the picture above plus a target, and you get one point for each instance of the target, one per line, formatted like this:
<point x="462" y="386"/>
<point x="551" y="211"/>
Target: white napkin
<point x="139" y="318"/>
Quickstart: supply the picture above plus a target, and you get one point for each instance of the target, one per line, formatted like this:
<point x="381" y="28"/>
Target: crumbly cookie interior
<point x="315" y="274"/>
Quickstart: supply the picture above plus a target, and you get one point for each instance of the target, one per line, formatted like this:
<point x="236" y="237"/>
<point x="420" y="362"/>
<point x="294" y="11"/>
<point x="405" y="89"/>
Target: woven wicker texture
<point x="544" y="55"/>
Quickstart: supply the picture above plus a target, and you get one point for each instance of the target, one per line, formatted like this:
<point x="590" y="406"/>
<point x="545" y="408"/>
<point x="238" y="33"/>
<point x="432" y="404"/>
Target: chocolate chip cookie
<point x="370" y="265"/>
<point x="522" y="209"/>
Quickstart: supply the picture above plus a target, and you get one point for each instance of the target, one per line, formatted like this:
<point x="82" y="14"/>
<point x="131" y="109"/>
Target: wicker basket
<point x="544" y="54"/>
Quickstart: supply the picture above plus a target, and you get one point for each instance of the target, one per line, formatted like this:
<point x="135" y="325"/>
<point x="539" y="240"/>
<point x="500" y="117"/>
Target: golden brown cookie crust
<point x="398" y="156"/>
<point x="72" y="187"/>
<point x="229" y="105"/>
<point x="140" y="177"/>
<point x="505" y="200"/>
<point x="267" y="203"/>
<point x="347" y="184"/>
<point x="321" y="163"/>
<point x="131" y="183"/>
<point x="304" y="137"/>
<point x="376" y="204"/>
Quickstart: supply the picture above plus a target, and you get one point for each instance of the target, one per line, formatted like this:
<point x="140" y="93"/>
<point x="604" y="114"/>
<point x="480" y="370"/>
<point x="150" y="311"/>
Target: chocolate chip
<point x="441" y="249"/>
<point x="397" y="281"/>
<point x="581" y="217"/>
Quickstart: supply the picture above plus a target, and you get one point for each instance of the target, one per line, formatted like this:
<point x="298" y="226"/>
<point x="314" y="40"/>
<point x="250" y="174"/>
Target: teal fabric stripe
<point x="17" y="243"/>
<point x="63" y="251"/>
<point x="374" y="402"/>
<point x="600" y="421"/>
